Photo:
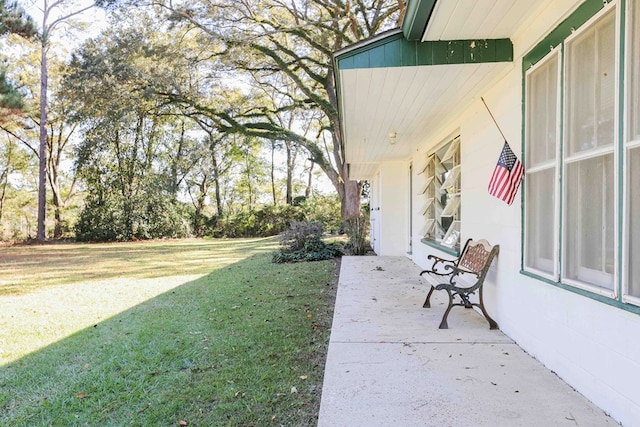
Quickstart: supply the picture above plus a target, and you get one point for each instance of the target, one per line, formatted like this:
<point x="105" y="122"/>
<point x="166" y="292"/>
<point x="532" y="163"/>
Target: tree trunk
<point x="290" y="160"/>
<point x="273" y="167"/>
<point x="58" y="230"/>
<point x="248" y="173"/>
<point x="219" y="207"/>
<point x="175" y="184"/>
<point x="53" y="167"/>
<point x="307" y="191"/>
<point x="216" y="179"/>
<point x="58" y="205"/>
<point x="350" y="199"/>
<point x="4" y="181"/>
<point x="42" y="169"/>
<point x="348" y="190"/>
<point x="198" y="216"/>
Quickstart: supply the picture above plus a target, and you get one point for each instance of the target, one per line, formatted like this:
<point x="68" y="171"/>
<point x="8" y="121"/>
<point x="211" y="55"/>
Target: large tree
<point x="59" y="133"/>
<point x="55" y="13"/>
<point x="286" y="46"/>
<point x="137" y="149"/>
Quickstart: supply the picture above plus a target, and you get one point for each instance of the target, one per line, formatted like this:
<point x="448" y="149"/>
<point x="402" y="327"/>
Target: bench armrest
<point x="441" y="266"/>
<point x="461" y="280"/>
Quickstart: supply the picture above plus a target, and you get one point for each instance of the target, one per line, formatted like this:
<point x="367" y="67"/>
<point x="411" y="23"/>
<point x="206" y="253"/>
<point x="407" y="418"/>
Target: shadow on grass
<point x="244" y="345"/>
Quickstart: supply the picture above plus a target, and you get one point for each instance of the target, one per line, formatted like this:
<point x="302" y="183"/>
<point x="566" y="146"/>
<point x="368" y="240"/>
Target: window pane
<point x="442" y="213"/>
<point x="589" y="221"/>
<point x="541" y="112"/>
<point x="591" y="87"/>
<point x="634" y="222"/>
<point x="540" y="220"/>
<point x="605" y="102"/>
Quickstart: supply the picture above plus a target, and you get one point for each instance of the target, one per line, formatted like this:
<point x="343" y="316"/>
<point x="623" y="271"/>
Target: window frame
<point x="626" y="244"/>
<point x="577" y="22"/>
<point x="433" y="185"/>
<point x="630" y="141"/>
<point x="568" y="158"/>
<point x="555" y="53"/>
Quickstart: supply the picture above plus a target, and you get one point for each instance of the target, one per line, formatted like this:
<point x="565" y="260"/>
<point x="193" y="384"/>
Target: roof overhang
<point x="390" y="85"/>
<point x="412" y="81"/>
<point x="466" y="19"/>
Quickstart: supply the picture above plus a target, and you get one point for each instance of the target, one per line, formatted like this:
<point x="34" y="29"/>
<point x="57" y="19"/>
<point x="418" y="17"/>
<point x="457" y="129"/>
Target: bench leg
<point x="427" y="302"/>
<point x="492" y="323"/>
<point x="443" y="323"/>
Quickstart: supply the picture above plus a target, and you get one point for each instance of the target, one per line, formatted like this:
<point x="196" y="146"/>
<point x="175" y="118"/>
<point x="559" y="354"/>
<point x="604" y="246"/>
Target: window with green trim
<point x="541" y="250"/>
<point x="590" y="83"/>
<point x="582" y="154"/>
<point x="442" y="195"/>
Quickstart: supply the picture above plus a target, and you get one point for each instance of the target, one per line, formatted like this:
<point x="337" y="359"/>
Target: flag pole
<point x="494" y="119"/>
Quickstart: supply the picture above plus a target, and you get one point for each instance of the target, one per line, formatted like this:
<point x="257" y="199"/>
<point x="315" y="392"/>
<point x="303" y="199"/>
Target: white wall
<point x="591" y="345"/>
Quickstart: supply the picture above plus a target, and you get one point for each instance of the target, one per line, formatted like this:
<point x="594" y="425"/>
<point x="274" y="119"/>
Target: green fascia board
<point x="395" y="51"/>
<point x="416" y="18"/>
<point x="581" y="15"/>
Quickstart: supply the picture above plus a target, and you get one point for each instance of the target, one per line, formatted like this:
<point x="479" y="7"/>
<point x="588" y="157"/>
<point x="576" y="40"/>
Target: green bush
<point x="108" y="217"/>
<point x="325" y="210"/>
<point x="303" y="242"/>
<point x="265" y="221"/>
<point x="100" y="219"/>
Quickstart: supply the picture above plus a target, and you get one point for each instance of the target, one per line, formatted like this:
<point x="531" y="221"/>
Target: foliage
<point x="135" y="152"/>
<point x="13" y="19"/>
<point x="302" y="241"/>
<point x="262" y="221"/>
<point x="325" y="210"/>
<point x="356" y="228"/>
<point x="108" y="216"/>
<point x="178" y="108"/>
<point x="269" y="220"/>
<point x="285" y="51"/>
<point x="10" y="98"/>
<point x="65" y="11"/>
<point x="227" y="348"/>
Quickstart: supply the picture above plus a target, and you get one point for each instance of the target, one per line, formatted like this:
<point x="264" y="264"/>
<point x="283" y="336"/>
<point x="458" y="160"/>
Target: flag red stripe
<point x="504" y="184"/>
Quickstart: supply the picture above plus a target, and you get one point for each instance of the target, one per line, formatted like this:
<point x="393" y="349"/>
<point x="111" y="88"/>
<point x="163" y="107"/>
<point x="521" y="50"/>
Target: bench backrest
<point x="476" y="257"/>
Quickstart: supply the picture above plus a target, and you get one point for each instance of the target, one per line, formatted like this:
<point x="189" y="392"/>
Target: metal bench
<point x="462" y="277"/>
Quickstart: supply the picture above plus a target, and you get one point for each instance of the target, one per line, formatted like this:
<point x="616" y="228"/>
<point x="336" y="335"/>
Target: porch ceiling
<point x="384" y="89"/>
<point x="477" y="19"/>
<point x="408" y="101"/>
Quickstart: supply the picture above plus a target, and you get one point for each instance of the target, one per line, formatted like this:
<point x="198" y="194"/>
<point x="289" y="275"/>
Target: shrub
<point x="302" y="241"/>
<point x="356" y="228"/>
<point x="108" y="217"/>
<point x="323" y="209"/>
<point x="264" y="221"/>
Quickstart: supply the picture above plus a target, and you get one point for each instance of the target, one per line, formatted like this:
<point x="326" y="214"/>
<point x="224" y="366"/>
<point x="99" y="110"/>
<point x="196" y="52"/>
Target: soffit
<point x="412" y="102"/>
<point x="474" y="19"/>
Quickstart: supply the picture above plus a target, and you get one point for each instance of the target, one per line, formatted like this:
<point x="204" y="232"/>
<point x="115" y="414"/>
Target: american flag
<point x="507" y="175"/>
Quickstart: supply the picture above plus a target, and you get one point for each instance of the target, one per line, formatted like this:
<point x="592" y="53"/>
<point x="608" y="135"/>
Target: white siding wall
<point x="591" y="345"/>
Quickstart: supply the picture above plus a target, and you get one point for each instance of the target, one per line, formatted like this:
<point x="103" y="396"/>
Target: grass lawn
<point x="185" y="332"/>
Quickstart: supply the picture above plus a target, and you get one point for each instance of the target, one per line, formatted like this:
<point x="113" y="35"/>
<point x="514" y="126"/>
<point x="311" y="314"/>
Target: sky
<point x="91" y="22"/>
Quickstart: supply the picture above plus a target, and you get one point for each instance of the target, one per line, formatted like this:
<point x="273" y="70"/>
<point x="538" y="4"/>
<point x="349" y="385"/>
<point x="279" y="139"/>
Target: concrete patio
<point x="388" y="364"/>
